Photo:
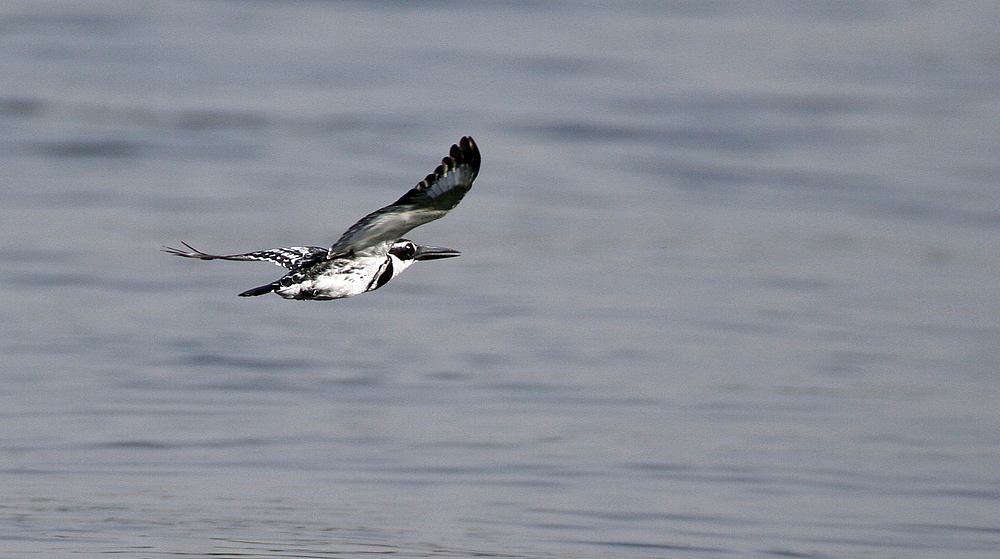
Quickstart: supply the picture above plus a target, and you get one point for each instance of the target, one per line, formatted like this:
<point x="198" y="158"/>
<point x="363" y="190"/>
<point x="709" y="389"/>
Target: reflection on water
<point x="728" y="283"/>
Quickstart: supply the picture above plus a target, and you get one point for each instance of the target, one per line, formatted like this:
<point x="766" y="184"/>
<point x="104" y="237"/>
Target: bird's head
<point x="405" y="252"/>
<point x="408" y="251"/>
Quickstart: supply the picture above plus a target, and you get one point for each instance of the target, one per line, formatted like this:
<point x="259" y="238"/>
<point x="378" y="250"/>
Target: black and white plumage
<point x="372" y="251"/>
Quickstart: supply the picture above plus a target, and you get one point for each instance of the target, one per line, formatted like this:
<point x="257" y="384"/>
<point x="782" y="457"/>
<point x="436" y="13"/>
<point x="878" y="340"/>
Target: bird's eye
<point x="405" y="251"/>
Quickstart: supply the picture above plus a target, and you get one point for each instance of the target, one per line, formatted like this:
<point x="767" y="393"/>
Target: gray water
<point x="729" y="283"/>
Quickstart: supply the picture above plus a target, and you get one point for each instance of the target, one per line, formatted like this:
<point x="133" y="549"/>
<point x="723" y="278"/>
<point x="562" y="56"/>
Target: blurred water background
<point x="729" y="283"/>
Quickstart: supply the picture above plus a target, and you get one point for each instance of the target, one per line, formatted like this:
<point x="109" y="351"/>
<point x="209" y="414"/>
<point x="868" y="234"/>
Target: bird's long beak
<point x="433" y="253"/>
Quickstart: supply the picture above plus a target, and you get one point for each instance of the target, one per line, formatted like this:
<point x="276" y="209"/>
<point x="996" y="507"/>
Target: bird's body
<point x="372" y="251"/>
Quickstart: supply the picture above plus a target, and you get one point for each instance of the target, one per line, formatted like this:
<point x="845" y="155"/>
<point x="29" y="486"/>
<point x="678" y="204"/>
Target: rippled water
<point x="729" y="283"/>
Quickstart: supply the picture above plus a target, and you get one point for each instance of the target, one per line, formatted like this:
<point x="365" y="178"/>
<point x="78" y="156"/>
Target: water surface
<point x="728" y="284"/>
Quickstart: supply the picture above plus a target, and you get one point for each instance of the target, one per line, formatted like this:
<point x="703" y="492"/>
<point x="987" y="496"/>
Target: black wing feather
<point x="290" y="257"/>
<point x="462" y="165"/>
<point x="430" y="199"/>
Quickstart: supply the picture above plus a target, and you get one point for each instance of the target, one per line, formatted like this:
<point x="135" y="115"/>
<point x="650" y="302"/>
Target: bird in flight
<point x="372" y="251"/>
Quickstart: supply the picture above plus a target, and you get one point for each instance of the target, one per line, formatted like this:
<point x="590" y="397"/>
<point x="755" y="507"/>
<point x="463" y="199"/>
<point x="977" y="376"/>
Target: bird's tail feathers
<point x="262" y="290"/>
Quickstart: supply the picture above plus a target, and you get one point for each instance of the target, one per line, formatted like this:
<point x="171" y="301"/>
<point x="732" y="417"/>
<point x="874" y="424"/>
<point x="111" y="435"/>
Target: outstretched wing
<point x="433" y="197"/>
<point x="291" y="257"/>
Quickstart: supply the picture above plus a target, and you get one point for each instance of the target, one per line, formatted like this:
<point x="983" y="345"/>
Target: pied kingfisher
<point x="372" y="251"/>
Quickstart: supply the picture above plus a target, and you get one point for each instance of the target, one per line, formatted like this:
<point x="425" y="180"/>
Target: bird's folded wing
<point x="432" y="198"/>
